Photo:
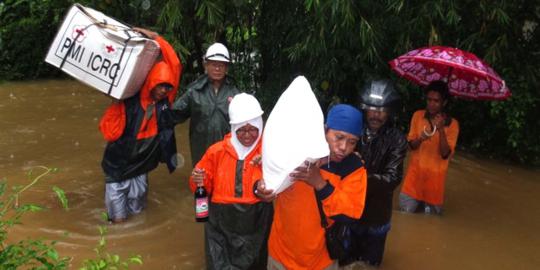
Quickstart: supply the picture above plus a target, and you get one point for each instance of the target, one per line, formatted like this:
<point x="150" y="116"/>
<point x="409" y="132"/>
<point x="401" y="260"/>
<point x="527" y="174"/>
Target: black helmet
<point x="379" y="95"/>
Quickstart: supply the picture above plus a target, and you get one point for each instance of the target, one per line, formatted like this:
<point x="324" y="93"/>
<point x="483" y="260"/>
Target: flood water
<point x="492" y="210"/>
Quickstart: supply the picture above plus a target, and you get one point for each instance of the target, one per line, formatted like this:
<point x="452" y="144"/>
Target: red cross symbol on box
<point x="110" y="48"/>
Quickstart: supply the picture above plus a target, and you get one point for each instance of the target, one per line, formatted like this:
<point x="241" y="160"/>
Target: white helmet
<point x="217" y="52"/>
<point x="244" y="107"/>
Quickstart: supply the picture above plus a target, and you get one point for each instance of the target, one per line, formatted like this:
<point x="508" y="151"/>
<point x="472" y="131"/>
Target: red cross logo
<point x="109" y="48"/>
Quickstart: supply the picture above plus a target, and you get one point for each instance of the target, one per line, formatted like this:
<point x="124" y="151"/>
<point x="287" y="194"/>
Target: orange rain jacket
<point x="168" y="70"/>
<point x="297" y="238"/>
<point x="427" y="170"/>
<point x="238" y="224"/>
<point x="220" y="165"/>
<point x="134" y="146"/>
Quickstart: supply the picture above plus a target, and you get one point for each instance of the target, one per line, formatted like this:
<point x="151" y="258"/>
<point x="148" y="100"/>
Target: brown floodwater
<point x="492" y="210"/>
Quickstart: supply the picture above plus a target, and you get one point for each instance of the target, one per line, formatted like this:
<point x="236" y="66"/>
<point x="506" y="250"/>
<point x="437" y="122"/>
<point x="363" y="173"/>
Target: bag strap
<point x="324" y="223"/>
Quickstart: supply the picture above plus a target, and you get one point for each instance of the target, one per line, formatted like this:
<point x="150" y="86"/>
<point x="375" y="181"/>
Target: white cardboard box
<point x="103" y="55"/>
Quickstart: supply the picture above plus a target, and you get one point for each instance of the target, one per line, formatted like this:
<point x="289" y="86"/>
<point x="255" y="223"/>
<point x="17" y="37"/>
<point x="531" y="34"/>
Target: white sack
<point x="294" y="132"/>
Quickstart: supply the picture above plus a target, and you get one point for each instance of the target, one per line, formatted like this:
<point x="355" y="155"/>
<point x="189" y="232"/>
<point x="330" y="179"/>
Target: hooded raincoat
<point x="238" y="223"/>
<point x="139" y="130"/>
<point x="209" y="113"/>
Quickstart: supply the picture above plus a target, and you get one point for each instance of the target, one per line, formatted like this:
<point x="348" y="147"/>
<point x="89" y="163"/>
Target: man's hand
<point x="438" y="121"/>
<point x="146" y="32"/>
<point x="310" y="174"/>
<point x="265" y="195"/>
<point x="198" y="176"/>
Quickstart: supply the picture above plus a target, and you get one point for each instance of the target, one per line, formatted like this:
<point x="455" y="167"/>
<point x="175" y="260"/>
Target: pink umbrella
<point x="466" y="74"/>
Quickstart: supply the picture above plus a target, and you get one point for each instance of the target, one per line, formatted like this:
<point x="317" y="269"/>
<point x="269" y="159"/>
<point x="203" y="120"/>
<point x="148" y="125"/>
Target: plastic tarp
<point x="294" y="132"/>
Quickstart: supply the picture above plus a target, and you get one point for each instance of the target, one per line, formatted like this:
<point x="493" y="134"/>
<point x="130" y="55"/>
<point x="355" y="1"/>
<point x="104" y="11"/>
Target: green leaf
<point x="61" y="196"/>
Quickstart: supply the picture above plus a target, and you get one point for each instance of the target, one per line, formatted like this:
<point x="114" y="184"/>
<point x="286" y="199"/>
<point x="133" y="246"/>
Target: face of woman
<point x="247" y="135"/>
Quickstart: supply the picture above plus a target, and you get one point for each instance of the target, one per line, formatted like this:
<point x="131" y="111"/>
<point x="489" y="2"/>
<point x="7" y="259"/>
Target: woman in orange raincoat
<point x="239" y="222"/>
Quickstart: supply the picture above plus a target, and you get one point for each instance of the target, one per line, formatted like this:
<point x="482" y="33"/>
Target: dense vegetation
<point x="337" y="45"/>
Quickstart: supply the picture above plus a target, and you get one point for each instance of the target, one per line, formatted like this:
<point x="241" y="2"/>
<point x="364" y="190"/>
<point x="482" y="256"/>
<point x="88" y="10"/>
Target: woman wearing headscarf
<point x="238" y="224"/>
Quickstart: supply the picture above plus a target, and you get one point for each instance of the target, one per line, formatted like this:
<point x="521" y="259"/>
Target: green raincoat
<point x="209" y="113"/>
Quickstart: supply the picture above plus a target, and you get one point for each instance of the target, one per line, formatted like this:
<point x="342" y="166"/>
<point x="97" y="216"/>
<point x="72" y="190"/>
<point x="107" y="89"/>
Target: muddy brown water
<point x="491" y="220"/>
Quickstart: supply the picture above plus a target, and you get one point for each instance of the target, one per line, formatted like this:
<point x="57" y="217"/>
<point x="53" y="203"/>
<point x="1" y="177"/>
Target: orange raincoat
<point x="131" y="126"/>
<point x="427" y="170"/>
<point x="168" y="70"/>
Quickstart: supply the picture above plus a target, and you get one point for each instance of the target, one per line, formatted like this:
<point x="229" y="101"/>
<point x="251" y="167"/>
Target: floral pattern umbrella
<point x="467" y="75"/>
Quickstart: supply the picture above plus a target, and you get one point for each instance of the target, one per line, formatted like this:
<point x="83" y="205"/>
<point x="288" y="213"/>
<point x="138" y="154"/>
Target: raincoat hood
<point x="160" y="73"/>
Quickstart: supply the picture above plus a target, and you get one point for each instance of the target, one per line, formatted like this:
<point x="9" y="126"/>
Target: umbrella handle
<point x="428" y="133"/>
<point x="450" y="69"/>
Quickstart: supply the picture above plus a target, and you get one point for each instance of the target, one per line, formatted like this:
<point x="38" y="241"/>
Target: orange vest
<point x="297" y="238"/>
<point x="427" y="170"/>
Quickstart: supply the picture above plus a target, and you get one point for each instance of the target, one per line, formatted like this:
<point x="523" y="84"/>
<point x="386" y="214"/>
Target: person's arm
<point x="204" y="169"/>
<point x="113" y="122"/>
<point x="345" y="201"/>
<point x="392" y="173"/>
<point x="167" y="53"/>
<point x="181" y="107"/>
<point x="444" y="148"/>
<point x="414" y="139"/>
<point x="451" y="135"/>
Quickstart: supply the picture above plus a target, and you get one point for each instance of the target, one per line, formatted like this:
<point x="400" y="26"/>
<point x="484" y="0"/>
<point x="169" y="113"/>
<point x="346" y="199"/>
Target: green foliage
<point x="39" y="254"/>
<point x="29" y="253"/>
<point x="105" y="260"/>
<point x="338" y="44"/>
<point x="28" y="27"/>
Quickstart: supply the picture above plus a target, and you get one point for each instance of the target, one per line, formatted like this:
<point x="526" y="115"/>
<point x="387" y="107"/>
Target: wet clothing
<point x="383" y="154"/>
<point x="140" y="135"/>
<point x="140" y="131"/>
<point x="238" y="223"/>
<point x="373" y="239"/>
<point x="297" y="238"/>
<point x="411" y="205"/>
<point x="275" y="265"/>
<point x="209" y="113"/>
<point x="126" y="197"/>
<point x="427" y="170"/>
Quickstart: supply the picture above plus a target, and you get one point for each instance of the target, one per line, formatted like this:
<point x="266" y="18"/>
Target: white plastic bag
<point x="294" y="132"/>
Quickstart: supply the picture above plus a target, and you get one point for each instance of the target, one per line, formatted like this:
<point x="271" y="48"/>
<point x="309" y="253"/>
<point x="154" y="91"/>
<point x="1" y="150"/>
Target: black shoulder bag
<point x="338" y="236"/>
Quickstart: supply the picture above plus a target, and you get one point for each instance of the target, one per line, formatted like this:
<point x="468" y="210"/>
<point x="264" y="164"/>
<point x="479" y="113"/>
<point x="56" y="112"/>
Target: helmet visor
<point x="373" y="108"/>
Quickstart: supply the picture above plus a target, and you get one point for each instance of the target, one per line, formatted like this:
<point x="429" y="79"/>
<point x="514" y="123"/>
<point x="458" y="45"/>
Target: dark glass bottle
<point x="201" y="204"/>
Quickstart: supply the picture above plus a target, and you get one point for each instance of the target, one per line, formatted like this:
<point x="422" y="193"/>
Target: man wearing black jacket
<point x="383" y="148"/>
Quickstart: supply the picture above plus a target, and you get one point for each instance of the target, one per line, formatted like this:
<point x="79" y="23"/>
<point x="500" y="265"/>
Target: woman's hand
<point x="265" y="195"/>
<point x="197" y="175"/>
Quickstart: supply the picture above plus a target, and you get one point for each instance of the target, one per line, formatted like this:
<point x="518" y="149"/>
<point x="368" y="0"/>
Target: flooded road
<point x="492" y="210"/>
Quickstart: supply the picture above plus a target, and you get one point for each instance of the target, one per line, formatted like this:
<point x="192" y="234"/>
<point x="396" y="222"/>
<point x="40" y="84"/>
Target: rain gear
<point x="383" y="154"/>
<point x="140" y="131"/>
<point x="297" y="238"/>
<point x="238" y="225"/>
<point x="427" y="170"/>
<point x="208" y="111"/>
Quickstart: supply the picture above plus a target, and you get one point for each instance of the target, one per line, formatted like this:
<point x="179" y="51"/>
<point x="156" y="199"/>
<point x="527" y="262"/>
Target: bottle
<point x="201" y="204"/>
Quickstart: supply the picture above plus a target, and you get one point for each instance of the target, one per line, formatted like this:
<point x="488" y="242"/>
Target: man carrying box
<point x="140" y="134"/>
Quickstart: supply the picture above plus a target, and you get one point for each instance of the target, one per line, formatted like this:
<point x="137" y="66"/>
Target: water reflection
<point x="491" y="210"/>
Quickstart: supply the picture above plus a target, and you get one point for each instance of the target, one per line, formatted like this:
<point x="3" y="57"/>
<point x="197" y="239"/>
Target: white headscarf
<point x="241" y="150"/>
